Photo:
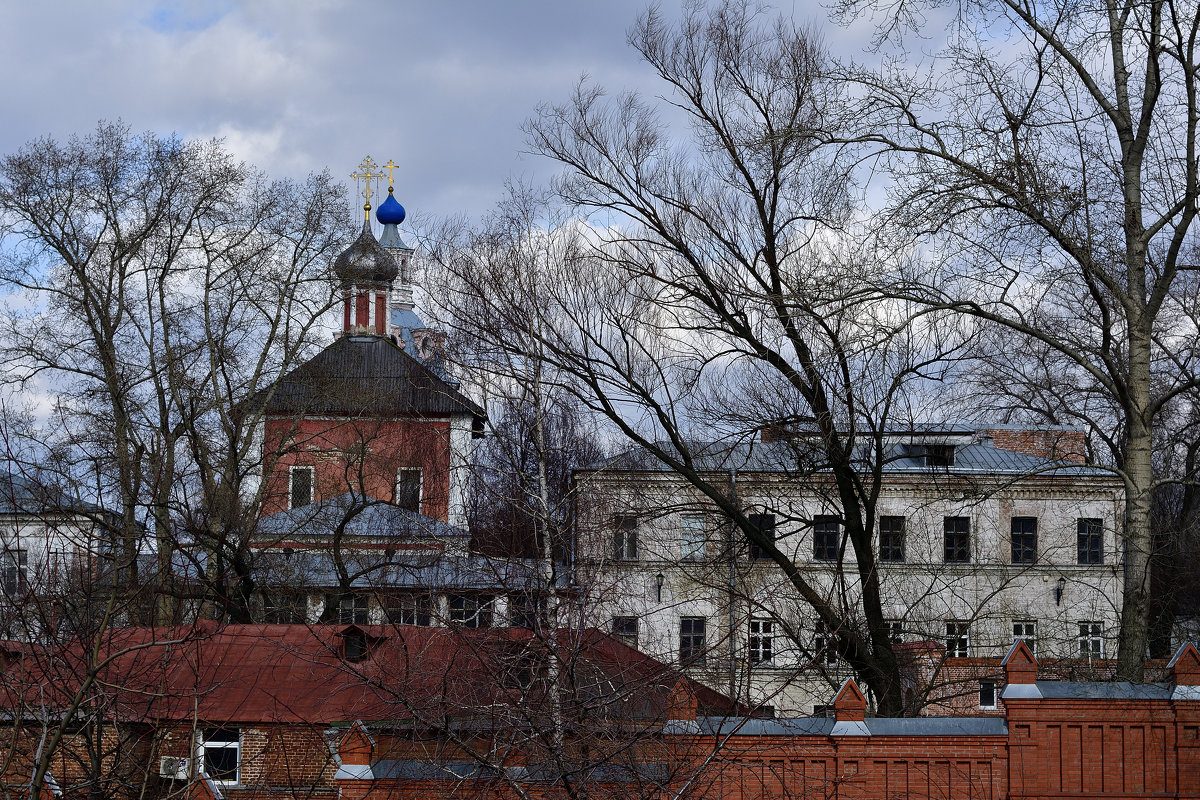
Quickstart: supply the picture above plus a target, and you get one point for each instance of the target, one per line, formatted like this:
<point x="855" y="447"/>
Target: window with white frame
<point x="625" y="541"/>
<point x="353" y="610"/>
<point x="14" y="571"/>
<point x="693" y="537"/>
<point x="987" y="694"/>
<point x="895" y="630"/>
<point x="1091" y="640"/>
<point x="471" y="610"/>
<point x="221" y="750"/>
<point x="301" y="491"/>
<point x="825" y="644"/>
<point x="409" y="609"/>
<point x="958" y="639"/>
<point x="408" y="488"/>
<point x="1025" y="630"/>
<point x="625" y="630"/>
<point x="761" y="641"/>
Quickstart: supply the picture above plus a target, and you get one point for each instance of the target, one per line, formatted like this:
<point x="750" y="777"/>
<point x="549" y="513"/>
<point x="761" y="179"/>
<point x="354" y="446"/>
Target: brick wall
<point x="1065" y="445"/>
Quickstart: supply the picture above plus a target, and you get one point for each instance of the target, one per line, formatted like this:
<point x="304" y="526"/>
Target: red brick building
<point x="1057" y="739"/>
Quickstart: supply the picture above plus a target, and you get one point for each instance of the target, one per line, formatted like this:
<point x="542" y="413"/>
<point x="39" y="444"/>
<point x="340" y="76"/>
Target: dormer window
<point x="934" y="455"/>
<point x="939" y="455"/>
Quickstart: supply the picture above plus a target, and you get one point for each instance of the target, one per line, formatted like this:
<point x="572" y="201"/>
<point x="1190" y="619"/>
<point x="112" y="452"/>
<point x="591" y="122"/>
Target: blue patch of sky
<point x="187" y="15"/>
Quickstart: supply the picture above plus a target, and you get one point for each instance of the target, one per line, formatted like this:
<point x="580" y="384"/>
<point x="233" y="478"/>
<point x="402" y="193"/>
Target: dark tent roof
<point x="366" y="376"/>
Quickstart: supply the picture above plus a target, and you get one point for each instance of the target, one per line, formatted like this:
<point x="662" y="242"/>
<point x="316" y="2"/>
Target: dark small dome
<point x="365" y="261"/>
<point x="390" y="212"/>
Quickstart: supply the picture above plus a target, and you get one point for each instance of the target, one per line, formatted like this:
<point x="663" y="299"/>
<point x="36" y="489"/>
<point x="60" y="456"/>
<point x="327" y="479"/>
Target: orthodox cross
<point x="366" y="173"/>
<point x="389" y="166"/>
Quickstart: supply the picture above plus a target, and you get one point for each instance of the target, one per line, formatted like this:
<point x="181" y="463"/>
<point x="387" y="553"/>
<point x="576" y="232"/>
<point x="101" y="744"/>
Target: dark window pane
<point x="691" y="640"/>
<point x="302" y="486"/>
<point x="625" y="629"/>
<point x="958" y="540"/>
<point x="408" y="489"/>
<point x="891" y="539"/>
<point x="1091" y="541"/>
<point x="1024" y="540"/>
<point x="625" y="544"/>
<point x="826" y="538"/>
<point x="764" y="524"/>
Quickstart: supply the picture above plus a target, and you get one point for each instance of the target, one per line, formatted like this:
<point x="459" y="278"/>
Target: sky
<point x="294" y="87"/>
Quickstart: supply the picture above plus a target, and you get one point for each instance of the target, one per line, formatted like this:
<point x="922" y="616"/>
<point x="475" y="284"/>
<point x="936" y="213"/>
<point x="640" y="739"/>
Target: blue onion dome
<point x="365" y="261"/>
<point x="390" y="212"/>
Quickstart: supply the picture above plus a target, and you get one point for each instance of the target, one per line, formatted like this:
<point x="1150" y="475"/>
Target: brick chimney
<point x="1059" y="444"/>
<point x="850" y="710"/>
<point x="1020" y="670"/>
<point x="1185" y="672"/>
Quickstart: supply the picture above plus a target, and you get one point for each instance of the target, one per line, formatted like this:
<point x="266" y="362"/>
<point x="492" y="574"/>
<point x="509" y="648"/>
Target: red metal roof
<point x="299" y="673"/>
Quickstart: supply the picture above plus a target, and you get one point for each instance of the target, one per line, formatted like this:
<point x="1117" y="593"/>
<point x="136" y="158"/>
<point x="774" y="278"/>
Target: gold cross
<point x="389" y="166"/>
<point x="366" y="173"/>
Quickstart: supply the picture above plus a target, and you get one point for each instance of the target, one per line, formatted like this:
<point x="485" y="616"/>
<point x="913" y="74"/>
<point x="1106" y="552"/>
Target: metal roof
<point x="358" y="516"/>
<point x="367" y="376"/>
<point x="23" y="495"/>
<point x="1103" y="690"/>
<point x="980" y="458"/>
<point x="823" y="726"/>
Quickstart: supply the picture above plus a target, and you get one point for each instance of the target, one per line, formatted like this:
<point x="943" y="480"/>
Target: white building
<point x="49" y="543"/>
<point x="982" y="536"/>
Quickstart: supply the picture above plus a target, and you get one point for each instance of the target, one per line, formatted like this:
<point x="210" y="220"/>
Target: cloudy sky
<point x="300" y="85"/>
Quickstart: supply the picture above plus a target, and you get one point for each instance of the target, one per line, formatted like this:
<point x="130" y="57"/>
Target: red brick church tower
<point x="372" y="416"/>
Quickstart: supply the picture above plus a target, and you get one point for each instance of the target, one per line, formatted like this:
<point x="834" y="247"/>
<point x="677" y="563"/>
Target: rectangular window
<point x="1025" y="630"/>
<point x="958" y="639"/>
<point x="408" y="488"/>
<point x="352" y="609"/>
<point x="625" y="543"/>
<point x="895" y="631"/>
<point x="764" y="524"/>
<point x="826" y="538"/>
<point x="222" y="754"/>
<point x="471" y="611"/>
<point x="625" y="630"/>
<point x="693" y="537"/>
<point x="14" y="571"/>
<point x="891" y="539"/>
<point x="958" y="540"/>
<point x="939" y="455"/>
<point x="987" y="694"/>
<point x="1091" y="541"/>
<point x="284" y="607"/>
<point x="691" y="640"/>
<point x="525" y="611"/>
<point x="1091" y="640"/>
<point x="414" y="609"/>
<point x="302" y="487"/>
<point x="1024" y="540"/>
<point x="762" y="642"/>
<point x="824" y="644"/>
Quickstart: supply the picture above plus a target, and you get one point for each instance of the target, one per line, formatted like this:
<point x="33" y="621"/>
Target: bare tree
<point x="161" y="285"/>
<point x="1051" y="150"/>
<point x="712" y="296"/>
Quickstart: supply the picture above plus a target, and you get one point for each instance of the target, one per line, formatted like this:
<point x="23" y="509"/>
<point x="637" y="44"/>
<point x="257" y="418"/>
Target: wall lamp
<point x="1058" y="590"/>
<point x="659" y="579"/>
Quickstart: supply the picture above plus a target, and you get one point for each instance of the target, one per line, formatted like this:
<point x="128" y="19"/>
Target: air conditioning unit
<point x="174" y="768"/>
